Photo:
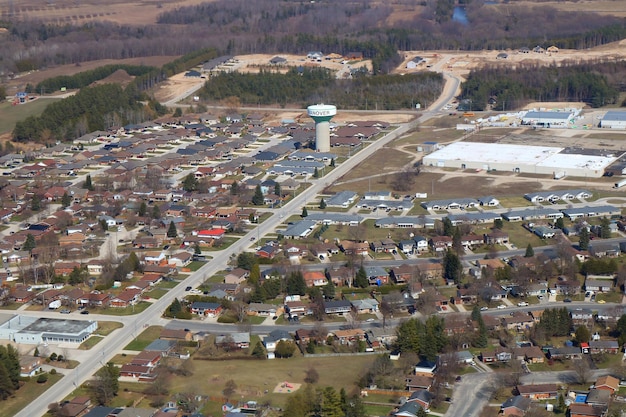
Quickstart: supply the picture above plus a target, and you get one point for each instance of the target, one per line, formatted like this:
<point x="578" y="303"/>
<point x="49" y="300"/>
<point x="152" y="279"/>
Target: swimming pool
<point x="580" y="398"/>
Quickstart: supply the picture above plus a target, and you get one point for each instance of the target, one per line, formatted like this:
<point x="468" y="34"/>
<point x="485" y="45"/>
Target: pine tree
<point x="234" y="188"/>
<point x="190" y="183"/>
<point x="322" y="204"/>
<point x="583" y="238"/>
<point x="178" y="112"/>
<point x="559" y="223"/>
<point x="316" y="173"/>
<point x="106" y="384"/>
<point x="197" y="250"/>
<point x="529" y="251"/>
<point x="258" y="351"/>
<point x="88" y="185"/>
<point x="305" y="212"/>
<point x="360" y="280"/>
<point x="255" y="274"/>
<point x="452" y="266"/>
<point x="143" y="208"/>
<point x="329" y="290"/>
<point x="605" y="228"/>
<point x="257" y="198"/>
<point x="66" y="200"/>
<point x="332" y="162"/>
<point x="277" y="189"/>
<point x="29" y="244"/>
<point x="35" y="203"/>
<point x="582" y="334"/>
<point x="171" y="231"/>
<point x="331" y="403"/>
<point x="156" y="212"/>
<point x="175" y="308"/>
<point x="6" y="386"/>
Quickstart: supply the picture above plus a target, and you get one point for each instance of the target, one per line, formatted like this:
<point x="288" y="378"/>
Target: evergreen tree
<point x="561" y="404"/>
<point x="332" y="162"/>
<point x="559" y="223"/>
<point x="66" y="200"/>
<point x="88" y="185"/>
<point x="582" y="334"/>
<point x="329" y="290"/>
<point x="498" y="224"/>
<point x="296" y="284"/>
<point x="452" y="267"/>
<point x="285" y="349"/>
<point x="178" y="112"/>
<point x="316" y="173"/>
<point x="481" y="340"/>
<point x="475" y="313"/>
<point x="171" y="230"/>
<point x="457" y="244"/>
<point x="190" y="182"/>
<point x="35" y="203"/>
<point x="196" y="249"/>
<point x="620" y="329"/>
<point x="448" y="228"/>
<point x="29" y="244"/>
<point x="156" y="212"/>
<point x="174" y="309"/>
<point x="331" y="403"/>
<point x="529" y="251"/>
<point x="360" y="280"/>
<point x="6" y="386"/>
<point x="305" y="212"/>
<point x="143" y="208"/>
<point x="605" y="228"/>
<point x="322" y="204"/>
<point x="255" y="274"/>
<point x="257" y="198"/>
<point x="583" y="238"/>
<point x="277" y="189"/>
<point x="234" y="188"/>
<point x="258" y="351"/>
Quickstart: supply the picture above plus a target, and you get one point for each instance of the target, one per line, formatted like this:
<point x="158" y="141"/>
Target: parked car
<point x="522" y="304"/>
<point x="484" y="308"/>
<point x="65" y="311"/>
<point x="84" y="312"/>
<point x="501" y="306"/>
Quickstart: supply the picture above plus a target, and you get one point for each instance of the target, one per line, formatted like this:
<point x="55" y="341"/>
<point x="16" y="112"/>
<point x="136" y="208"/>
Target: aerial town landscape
<point x="215" y="208"/>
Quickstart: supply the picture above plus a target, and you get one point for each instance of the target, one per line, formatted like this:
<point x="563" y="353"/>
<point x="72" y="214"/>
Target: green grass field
<point x="145" y="338"/>
<point x="31" y="389"/>
<point x="10" y="114"/>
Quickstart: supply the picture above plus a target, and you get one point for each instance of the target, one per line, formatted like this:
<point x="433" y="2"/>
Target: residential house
<point x="367" y="305"/>
<point x="126" y="298"/>
<point x="261" y="309"/>
<point x="608" y="383"/>
<point x="314" y="278"/>
<point x="337" y="307"/>
<point x="418" y="382"/>
<point x="240" y="340"/>
<point x="440" y="243"/>
<point x="30" y="366"/>
<point x="586" y="410"/>
<point x="236" y="276"/>
<point x="270" y="341"/>
<point x="565" y="352"/>
<point x="206" y="309"/>
<point x="604" y="346"/>
<point x="349" y="336"/>
<point x="539" y="391"/>
<point x="515" y="406"/>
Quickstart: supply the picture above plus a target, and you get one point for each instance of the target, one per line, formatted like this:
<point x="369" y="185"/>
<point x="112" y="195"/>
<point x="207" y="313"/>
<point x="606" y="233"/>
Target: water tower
<point x="322" y="113"/>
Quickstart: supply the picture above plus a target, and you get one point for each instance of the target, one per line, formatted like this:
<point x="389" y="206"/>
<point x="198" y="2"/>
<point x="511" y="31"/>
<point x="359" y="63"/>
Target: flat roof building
<point x="34" y="331"/>
<point x="519" y="159"/>
<point x="548" y="118"/>
<point x="614" y="119"/>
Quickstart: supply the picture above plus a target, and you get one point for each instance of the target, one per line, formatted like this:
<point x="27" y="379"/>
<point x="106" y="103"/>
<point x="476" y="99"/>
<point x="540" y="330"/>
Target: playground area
<point x="286" y="387"/>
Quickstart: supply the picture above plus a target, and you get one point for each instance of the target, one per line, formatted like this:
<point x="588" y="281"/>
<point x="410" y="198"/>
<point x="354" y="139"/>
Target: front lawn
<point x="145" y="338"/>
<point x="25" y="395"/>
<point x="91" y="342"/>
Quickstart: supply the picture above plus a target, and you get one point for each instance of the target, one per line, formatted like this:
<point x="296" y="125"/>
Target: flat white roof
<point x="564" y="115"/>
<point x="494" y="153"/>
<point x="577" y="161"/>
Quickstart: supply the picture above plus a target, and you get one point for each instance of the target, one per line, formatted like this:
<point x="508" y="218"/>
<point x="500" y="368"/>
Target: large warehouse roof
<point x="537" y="115"/>
<point x="494" y="153"/>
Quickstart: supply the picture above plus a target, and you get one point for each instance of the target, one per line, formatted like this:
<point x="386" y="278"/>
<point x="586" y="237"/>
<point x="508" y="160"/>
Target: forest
<point x="595" y="83"/>
<point x="301" y="86"/>
<point x="92" y="108"/>
<point x="271" y="26"/>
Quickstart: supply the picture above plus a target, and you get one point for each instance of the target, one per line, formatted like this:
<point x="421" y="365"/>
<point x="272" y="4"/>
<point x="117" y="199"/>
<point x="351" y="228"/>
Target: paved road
<point x="473" y="393"/>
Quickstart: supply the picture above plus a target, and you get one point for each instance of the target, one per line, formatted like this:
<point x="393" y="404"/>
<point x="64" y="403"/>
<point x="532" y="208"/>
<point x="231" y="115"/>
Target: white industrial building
<point x="518" y="159"/>
<point x="614" y="119"/>
<point x="548" y="118"/>
<point x="34" y="331"/>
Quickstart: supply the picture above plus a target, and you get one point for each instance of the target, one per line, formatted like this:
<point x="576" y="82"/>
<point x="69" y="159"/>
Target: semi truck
<point x="620" y="184"/>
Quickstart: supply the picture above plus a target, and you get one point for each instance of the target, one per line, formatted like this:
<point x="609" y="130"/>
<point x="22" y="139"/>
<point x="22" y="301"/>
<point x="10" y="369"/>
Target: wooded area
<point x="597" y="84"/>
<point x="300" y="87"/>
<point x="270" y="26"/>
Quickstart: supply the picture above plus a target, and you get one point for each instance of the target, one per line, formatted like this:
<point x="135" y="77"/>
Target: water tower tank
<point x="322" y="113"/>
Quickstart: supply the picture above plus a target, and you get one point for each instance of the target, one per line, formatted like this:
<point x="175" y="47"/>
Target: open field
<point x="31" y="389"/>
<point x="211" y="376"/>
<point x="145" y="338"/>
<point x="9" y="114"/>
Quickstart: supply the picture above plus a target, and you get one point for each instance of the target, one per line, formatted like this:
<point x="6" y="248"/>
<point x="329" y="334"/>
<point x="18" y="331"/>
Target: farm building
<point x="518" y="159"/>
<point x="614" y="119"/>
<point x="548" y="118"/>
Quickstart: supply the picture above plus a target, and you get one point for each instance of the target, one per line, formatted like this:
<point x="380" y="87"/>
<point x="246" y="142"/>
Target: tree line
<point x="304" y="86"/>
<point x="595" y="83"/>
<point x="85" y="78"/>
<point x="92" y="108"/>
<point x="9" y="371"/>
<point x="268" y="26"/>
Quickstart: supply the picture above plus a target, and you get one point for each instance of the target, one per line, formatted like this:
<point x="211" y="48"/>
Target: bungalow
<point x="418" y="382"/>
<point x="608" y="383"/>
<point x="586" y="410"/>
<point x="261" y="309"/>
<point x="240" y="340"/>
<point x="314" y="278"/>
<point x="430" y="270"/>
<point x="566" y="352"/>
<point x="367" y="305"/>
<point x="426" y="368"/>
<point x="236" y="276"/>
<point x="206" y="309"/>
<point x="538" y="391"/>
<point x="496" y="237"/>
<point x="337" y="307"/>
<point x="349" y="336"/>
<point x="440" y="243"/>
<point x="147" y="358"/>
<point x="594" y="283"/>
<point x="604" y="346"/>
<point x="30" y="365"/>
<point x="126" y="298"/>
<point x="515" y="406"/>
